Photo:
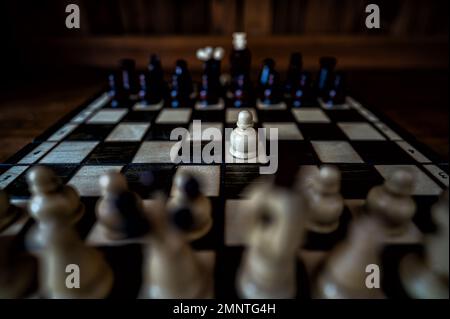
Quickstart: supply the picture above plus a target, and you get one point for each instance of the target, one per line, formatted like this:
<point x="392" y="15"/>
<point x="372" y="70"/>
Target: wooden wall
<point x="416" y="29"/>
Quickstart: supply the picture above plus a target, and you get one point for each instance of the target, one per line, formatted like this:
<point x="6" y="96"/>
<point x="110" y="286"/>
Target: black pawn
<point x="335" y="92"/>
<point x="115" y="90"/>
<point x="325" y="76"/>
<point x="210" y="87"/>
<point x="181" y="85"/>
<point x="152" y="86"/>
<point x="293" y="73"/>
<point x="269" y="83"/>
<point x="301" y="91"/>
<point x="128" y="76"/>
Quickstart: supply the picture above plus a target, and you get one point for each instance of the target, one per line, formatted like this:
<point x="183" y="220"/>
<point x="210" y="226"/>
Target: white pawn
<point x="392" y="202"/>
<point x="89" y="275"/>
<point x="171" y="268"/>
<point x="324" y="202"/>
<point x="268" y="267"/>
<point x="187" y="195"/>
<point x="243" y="139"/>
<point x="239" y="40"/>
<point x="51" y="203"/>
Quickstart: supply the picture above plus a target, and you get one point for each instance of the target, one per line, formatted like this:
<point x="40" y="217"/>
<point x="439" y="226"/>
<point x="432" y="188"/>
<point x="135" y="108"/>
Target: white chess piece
<point x="392" y="202"/>
<point x="218" y="53"/>
<point x="239" y="40"/>
<point x="171" y="268"/>
<point x="187" y="194"/>
<point x="324" y="202"/>
<point x="268" y="268"/>
<point x="243" y="139"/>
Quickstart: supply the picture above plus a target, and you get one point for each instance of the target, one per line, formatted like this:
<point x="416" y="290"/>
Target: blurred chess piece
<point x="240" y="62"/>
<point x="210" y="87"/>
<point x="18" y="271"/>
<point x="188" y="199"/>
<point x="181" y="87"/>
<point x="51" y="203"/>
<point x="152" y="86"/>
<point x="324" y="202"/>
<point x="71" y="269"/>
<point x="325" y="76"/>
<point x="273" y="235"/>
<point x="119" y="211"/>
<point x="344" y="274"/>
<point x="270" y="90"/>
<point x="8" y="212"/>
<point x="427" y="276"/>
<point x="392" y="202"/>
<point x="244" y="139"/>
<point x="171" y="268"/>
<point x="335" y="92"/>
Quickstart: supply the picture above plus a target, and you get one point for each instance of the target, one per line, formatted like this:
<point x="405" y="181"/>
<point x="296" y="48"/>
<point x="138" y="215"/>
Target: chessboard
<point x="133" y="138"/>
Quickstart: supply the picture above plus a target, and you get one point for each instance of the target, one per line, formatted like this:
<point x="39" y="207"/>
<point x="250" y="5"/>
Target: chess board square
<point x="271" y="107"/>
<point x="232" y="114"/>
<point x="210" y="107"/>
<point x="381" y="152"/>
<point x="62" y="132"/>
<point x="336" y="152"/>
<point x="90" y="132"/>
<point x="347" y="115"/>
<point x="113" y="153"/>
<point x="162" y="177"/>
<point x="204" y="133"/>
<point x="108" y="116"/>
<point x="86" y="179"/>
<point x="238" y="177"/>
<point x="155" y="152"/>
<point x="360" y="131"/>
<point x="414" y="153"/>
<point x="424" y="185"/>
<point x="261" y="156"/>
<point x="19" y="187"/>
<point x="286" y="131"/>
<point x="174" y="116"/>
<point x="99" y="102"/>
<point x="300" y="151"/>
<point x="207" y="175"/>
<point x="131" y="132"/>
<point x="207" y="152"/>
<point x="321" y="132"/>
<point x="10" y="175"/>
<point x="140" y="116"/>
<point x="358" y="179"/>
<point x="208" y="115"/>
<point x="164" y="131"/>
<point x="437" y="172"/>
<point x="310" y="115"/>
<point x="330" y="106"/>
<point x="275" y="116"/>
<point x="69" y="152"/>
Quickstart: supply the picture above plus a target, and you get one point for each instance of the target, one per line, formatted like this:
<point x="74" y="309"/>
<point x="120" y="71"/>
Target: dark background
<point x="47" y="69"/>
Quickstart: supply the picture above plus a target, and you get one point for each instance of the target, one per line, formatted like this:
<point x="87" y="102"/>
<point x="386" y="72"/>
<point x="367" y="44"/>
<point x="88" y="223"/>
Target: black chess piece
<point x="128" y="77"/>
<point x="210" y="87"/>
<point x="181" y="85"/>
<point x="293" y="73"/>
<point x="240" y="64"/>
<point x="325" y="76"/>
<point x="334" y="93"/>
<point x="269" y="87"/>
<point x="301" y="91"/>
<point x="152" y="86"/>
<point x="115" y="90"/>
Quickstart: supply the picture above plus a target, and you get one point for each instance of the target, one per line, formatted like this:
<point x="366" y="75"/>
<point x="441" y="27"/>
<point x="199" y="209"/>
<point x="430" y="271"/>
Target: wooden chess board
<point x="133" y="138"/>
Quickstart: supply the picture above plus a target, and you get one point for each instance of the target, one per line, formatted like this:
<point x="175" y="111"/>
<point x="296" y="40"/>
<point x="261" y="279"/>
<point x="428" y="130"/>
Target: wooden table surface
<point x="416" y="100"/>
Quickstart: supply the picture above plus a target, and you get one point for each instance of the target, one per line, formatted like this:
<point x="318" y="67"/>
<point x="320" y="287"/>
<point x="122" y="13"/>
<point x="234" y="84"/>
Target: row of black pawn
<point x="299" y="88"/>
